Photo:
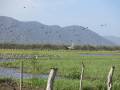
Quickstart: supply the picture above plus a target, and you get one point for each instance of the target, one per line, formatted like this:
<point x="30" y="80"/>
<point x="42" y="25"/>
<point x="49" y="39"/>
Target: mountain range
<point x="32" y="32"/>
<point x="114" y="39"/>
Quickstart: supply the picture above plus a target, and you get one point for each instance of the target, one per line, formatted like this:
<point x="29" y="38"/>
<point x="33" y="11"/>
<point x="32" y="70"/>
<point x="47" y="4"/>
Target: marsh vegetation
<point x="68" y="63"/>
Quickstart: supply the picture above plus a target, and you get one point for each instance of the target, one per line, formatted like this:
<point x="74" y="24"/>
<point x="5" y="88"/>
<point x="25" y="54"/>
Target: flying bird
<point x="103" y="25"/>
<point x="71" y="47"/>
<point x="28" y="3"/>
<point x="85" y="28"/>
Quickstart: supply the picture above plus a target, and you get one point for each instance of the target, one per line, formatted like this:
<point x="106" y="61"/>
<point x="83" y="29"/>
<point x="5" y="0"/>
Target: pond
<point x="98" y="54"/>
<point x="7" y="60"/>
<point x="14" y="73"/>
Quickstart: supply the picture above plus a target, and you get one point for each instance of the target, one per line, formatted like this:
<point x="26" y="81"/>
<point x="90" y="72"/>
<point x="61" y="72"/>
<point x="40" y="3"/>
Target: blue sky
<point x="87" y="13"/>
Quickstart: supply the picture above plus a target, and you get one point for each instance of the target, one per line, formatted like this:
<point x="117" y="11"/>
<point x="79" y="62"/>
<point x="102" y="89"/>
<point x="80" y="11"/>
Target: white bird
<point x="71" y="47"/>
<point x="36" y="57"/>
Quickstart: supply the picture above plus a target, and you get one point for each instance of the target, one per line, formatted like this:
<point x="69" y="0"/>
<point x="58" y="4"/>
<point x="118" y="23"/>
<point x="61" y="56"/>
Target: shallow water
<point x="97" y="54"/>
<point x="7" y="60"/>
<point x="14" y="73"/>
<point x="25" y="56"/>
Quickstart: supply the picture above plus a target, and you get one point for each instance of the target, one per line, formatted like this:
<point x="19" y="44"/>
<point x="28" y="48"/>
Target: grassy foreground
<point x="68" y="63"/>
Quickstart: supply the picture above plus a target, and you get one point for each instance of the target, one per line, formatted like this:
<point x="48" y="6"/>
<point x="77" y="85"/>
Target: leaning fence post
<point x="21" y="74"/>
<point x="51" y="78"/>
<point x="81" y="76"/>
<point x="109" y="78"/>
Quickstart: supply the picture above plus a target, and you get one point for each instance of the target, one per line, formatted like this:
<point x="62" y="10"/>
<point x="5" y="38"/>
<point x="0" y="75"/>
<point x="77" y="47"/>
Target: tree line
<point x="56" y="47"/>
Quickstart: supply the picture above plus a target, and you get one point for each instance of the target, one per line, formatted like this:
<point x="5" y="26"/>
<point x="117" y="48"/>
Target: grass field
<point x="68" y="63"/>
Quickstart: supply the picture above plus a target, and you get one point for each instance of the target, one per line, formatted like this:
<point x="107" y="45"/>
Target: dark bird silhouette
<point x="103" y="25"/>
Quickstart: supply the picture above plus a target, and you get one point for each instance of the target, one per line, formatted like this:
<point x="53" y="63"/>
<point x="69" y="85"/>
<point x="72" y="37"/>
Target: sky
<point x="101" y="16"/>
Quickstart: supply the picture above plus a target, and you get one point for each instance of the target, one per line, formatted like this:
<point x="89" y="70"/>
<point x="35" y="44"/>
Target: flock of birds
<point x="29" y="2"/>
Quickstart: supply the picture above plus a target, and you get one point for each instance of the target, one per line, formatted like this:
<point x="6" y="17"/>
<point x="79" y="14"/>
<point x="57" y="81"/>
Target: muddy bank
<point x="8" y="84"/>
<point x="4" y="86"/>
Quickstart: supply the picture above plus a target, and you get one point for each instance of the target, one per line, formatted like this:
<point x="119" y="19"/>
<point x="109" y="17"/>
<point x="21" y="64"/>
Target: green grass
<point x="69" y="68"/>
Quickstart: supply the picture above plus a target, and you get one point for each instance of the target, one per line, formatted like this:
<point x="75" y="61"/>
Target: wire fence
<point x="21" y="73"/>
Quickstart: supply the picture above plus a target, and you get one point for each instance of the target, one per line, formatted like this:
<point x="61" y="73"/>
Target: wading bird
<point x="71" y="47"/>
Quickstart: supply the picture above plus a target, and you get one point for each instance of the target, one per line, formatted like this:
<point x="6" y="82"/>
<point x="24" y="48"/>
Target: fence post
<point x="109" y="78"/>
<point x="51" y="78"/>
<point x="81" y="76"/>
<point x="21" y="74"/>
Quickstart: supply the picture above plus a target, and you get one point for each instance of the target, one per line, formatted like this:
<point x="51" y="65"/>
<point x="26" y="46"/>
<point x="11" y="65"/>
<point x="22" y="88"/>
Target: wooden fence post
<point x="81" y="76"/>
<point x="21" y="74"/>
<point x="51" y="78"/>
<point x="109" y="78"/>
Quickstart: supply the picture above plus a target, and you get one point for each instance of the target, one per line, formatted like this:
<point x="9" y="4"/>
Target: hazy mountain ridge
<point x="113" y="39"/>
<point x="14" y="31"/>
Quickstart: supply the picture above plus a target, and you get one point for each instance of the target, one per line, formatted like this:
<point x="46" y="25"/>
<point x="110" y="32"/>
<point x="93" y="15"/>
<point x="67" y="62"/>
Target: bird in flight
<point x="103" y="25"/>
